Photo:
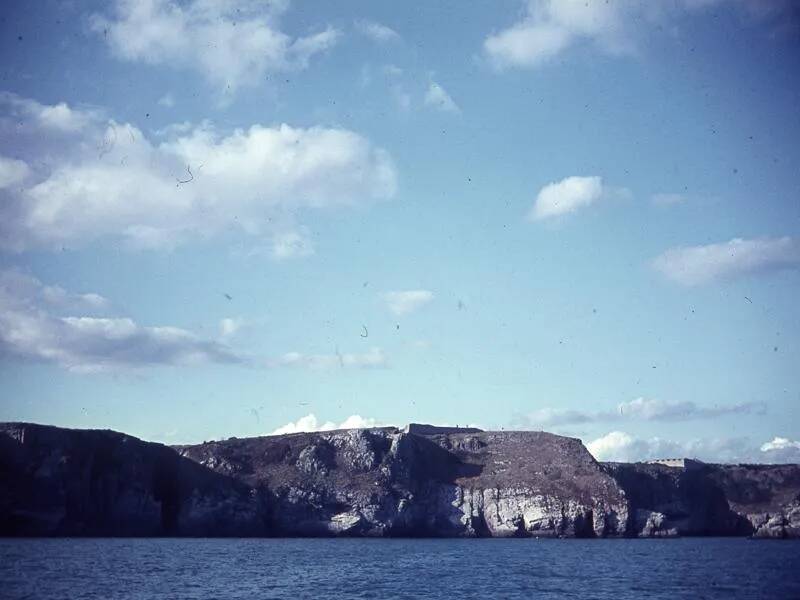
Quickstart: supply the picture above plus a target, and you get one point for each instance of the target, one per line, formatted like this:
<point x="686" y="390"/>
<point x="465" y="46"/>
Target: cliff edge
<point x="373" y="482"/>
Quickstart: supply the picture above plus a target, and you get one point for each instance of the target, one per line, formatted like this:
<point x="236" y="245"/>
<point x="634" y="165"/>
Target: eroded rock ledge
<point x="374" y="482"/>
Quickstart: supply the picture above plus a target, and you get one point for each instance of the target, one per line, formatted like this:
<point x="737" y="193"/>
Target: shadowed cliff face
<point x="71" y="482"/>
<point x="758" y="500"/>
<point x="669" y="501"/>
<point x="371" y="482"/>
<point x="768" y="496"/>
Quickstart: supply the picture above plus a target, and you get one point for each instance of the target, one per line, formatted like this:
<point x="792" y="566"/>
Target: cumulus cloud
<point x="232" y="43"/>
<point x="436" y="97"/>
<point x="372" y="359"/>
<point x="566" y="196"/>
<point x="377" y="32"/>
<point x="405" y="302"/>
<point x="782" y="449"/>
<point x="780" y="443"/>
<point x="31" y="116"/>
<point x="107" y="179"/>
<point x="12" y="172"/>
<point x="46" y="324"/>
<point x="623" y="447"/>
<point x="642" y="409"/>
<point x="549" y="28"/>
<point x="309" y="423"/>
<point x="696" y="265"/>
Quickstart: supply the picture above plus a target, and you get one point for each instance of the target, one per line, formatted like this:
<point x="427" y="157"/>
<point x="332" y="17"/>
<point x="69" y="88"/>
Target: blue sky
<point x="232" y="217"/>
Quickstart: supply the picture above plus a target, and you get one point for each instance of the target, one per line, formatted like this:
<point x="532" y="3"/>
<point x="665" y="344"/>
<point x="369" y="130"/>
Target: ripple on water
<point x="187" y="569"/>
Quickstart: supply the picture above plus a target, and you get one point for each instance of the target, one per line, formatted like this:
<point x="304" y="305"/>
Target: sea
<point x="149" y="569"/>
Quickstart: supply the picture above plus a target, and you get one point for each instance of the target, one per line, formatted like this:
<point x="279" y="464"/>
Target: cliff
<point x="373" y="482"/>
<point x="102" y="483"/>
<point x="387" y="482"/>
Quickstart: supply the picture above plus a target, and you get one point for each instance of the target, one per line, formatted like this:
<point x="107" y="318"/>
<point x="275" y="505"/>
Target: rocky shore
<point x="374" y="482"/>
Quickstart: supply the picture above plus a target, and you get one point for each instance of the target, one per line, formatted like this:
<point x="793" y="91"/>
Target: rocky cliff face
<point x="757" y="500"/>
<point x="70" y="482"/>
<point x="385" y="482"/>
<point x="768" y="496"/>
<point x="372" y="482"/>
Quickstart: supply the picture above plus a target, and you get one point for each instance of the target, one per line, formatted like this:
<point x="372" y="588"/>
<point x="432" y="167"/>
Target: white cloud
<point x="309" y="423"/>
<point x="372" y="359"/>
<point x="642" y="409"/>
<point x="618" y="446"/>
<point x="780" y="443"/>
<point x="781" y="449"/>
<point x="232" y="43"/>
<point x="33" y="327"/>
<point x="57" y="296"/>
<point x="438" y="98"/>
<point x="377" y="32"/>
<point x="696" y="265"/>
<point x="622" y="447"/>
<point x="107" y="179"/>
<point x="526" y="44"/>
<point x="405" y="302"/>
<point x="551" y="27"/>
<point x="25" y="289"/>
<point x="29" y="114"/>
<point x="12" y="172"/>
<point x="229" y="326"/>
<point x="566" y="196"/>
<point x="358" y="422"/>
<point x="658" y="410"/>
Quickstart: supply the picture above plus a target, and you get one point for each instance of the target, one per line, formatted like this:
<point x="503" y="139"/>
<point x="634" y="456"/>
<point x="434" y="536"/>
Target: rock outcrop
<point x="373" y="482"/>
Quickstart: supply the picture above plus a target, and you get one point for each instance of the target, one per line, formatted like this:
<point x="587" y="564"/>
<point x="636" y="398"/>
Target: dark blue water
<point x="147" y="569"/>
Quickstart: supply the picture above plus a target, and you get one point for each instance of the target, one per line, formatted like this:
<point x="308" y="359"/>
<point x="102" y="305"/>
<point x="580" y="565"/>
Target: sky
<point x="238" y="217"/>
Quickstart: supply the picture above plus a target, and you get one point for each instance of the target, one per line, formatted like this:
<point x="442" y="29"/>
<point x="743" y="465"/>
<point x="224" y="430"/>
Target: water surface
<point x="148" y="569"/>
